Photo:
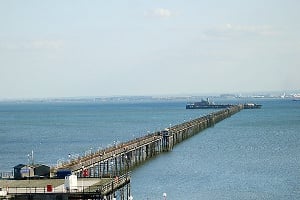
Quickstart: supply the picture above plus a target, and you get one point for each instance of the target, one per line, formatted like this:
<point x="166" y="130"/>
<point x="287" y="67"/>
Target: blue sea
<point x="255" y="154"/>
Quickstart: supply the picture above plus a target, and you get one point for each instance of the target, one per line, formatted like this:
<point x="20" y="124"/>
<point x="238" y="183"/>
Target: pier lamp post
<point x="100" y="172"/>
<point x="126" y="165"/>
<point x="28" y="167"/>
<point x="111" y="177"/>
<point x="111" y="168"/>
<point x="82" y="166"/>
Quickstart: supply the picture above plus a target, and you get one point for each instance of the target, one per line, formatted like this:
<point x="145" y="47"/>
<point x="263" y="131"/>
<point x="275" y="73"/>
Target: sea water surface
<point x="255" y="154"/>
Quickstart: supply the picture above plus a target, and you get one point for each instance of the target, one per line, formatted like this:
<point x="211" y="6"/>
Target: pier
<point x="115" y="163"/>
<point x="120" y="158"/>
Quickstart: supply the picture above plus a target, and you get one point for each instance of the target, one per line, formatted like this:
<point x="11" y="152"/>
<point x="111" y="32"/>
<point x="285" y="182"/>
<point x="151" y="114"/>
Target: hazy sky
<point x="68" y="48"/>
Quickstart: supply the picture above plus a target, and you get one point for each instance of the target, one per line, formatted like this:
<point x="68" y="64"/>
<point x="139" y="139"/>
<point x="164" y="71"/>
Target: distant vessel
<point x="205" y="104"/>
<point x="252" y="106"/>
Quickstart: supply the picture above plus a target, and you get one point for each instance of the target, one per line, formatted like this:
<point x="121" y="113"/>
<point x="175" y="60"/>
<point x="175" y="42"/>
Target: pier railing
<point x="110" y="186"/>
<point x="6" y="175"/>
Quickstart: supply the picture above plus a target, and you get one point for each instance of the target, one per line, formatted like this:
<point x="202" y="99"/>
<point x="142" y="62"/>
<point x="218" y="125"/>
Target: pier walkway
<point x="119" y="159"/>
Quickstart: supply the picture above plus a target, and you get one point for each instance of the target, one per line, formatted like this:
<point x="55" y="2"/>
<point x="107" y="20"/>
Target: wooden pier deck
<point x="87" y="188"/>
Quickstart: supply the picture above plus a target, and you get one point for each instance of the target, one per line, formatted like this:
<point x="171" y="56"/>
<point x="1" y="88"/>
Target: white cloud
<point x="159" y="12"/>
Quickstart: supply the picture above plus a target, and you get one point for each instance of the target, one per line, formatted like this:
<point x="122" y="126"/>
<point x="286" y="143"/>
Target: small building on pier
<point x="22" y="171"/>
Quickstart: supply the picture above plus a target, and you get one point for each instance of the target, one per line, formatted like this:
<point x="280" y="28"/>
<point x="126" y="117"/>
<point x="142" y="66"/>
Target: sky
<point x="72" y="48"/>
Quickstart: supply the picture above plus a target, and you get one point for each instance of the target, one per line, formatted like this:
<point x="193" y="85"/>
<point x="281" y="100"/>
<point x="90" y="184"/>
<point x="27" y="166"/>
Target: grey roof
<point x="19" y="166"/>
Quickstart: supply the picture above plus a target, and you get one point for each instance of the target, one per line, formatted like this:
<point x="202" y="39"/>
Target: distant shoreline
<point x="274" y="95"/>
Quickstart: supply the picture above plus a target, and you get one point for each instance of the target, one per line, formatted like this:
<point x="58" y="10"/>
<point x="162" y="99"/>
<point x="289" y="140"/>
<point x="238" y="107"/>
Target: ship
<point x="206" y="104"/>
<point x="252" y="106"/>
